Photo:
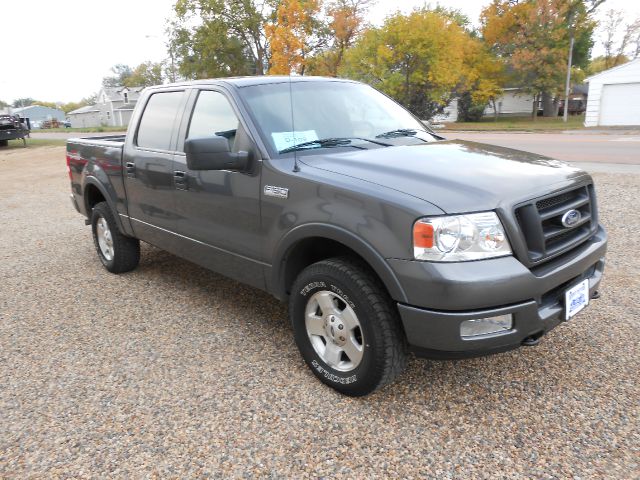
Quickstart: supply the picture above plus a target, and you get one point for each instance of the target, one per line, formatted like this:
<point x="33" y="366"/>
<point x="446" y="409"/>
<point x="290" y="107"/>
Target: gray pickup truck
<point x="383" y="237"/>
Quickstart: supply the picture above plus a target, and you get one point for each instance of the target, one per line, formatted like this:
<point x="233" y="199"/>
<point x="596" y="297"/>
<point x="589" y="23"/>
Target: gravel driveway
<point x="174" y="371"/>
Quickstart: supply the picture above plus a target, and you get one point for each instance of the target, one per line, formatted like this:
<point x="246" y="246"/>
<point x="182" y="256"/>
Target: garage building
<point x="614" y="96"/>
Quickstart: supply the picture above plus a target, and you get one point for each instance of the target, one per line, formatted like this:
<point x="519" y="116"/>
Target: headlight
<point x="458" y="238"/>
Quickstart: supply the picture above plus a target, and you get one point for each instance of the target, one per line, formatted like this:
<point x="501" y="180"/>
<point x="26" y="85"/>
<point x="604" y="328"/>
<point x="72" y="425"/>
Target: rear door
<point x="219" y="210"/>
<point x="148" y="164"/>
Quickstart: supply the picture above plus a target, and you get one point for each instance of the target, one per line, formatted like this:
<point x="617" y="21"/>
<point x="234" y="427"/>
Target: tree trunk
<point x="549" y="108"/>
<point x="534" y="108"/>
<point x="495" y="110"/>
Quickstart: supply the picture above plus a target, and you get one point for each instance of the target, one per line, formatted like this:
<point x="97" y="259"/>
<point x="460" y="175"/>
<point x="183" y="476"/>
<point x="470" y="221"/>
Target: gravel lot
<point x="174" y="371"/>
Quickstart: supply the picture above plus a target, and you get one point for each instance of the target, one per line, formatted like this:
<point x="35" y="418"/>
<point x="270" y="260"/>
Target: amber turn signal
<point x="422" y="235"/>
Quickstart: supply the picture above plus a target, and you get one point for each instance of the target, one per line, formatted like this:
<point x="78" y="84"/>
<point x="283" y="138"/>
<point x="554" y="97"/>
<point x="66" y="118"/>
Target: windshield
<point x="330" y="114"/>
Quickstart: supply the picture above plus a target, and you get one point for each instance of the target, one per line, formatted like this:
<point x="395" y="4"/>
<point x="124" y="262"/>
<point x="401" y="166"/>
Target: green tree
<point x="68" y="107"/>
<point x="3" y="104"/>
<point x="23" y="102"/>
<point x="146" y="74"/>
<point x="121" y="74"/>
<point x="221" y="37"/>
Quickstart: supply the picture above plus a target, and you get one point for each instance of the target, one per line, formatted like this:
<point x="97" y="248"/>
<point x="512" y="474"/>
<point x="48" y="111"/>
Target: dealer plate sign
<point x="576" y="298"/>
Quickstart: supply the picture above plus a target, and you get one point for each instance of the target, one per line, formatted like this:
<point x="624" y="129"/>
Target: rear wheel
<point x="117" y="252"/>
<point x="347" y="327"/>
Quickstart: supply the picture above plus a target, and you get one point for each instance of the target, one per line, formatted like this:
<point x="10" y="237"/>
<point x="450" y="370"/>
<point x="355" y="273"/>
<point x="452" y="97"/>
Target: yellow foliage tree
<point x="293" y="36"/>
<point x="423" y="60"/>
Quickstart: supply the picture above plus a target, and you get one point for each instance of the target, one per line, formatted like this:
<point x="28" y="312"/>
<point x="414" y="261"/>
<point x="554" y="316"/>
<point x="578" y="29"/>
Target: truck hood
<point x="455" y="175"/>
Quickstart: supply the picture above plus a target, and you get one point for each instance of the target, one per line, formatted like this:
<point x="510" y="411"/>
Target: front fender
<point x="367" y="252"/>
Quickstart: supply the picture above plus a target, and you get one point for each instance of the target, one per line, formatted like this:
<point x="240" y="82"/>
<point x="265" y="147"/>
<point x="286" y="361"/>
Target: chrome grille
<point x="540" y="222"/>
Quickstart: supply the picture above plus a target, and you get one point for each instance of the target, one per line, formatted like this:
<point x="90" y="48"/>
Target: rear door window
<point x="158" y="119"/>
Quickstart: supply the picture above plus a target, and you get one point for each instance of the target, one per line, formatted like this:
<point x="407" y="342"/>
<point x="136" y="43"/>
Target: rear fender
<point x="107" y="194"/>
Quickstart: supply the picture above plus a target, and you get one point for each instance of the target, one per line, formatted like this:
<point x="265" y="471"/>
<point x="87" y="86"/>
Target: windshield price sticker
<point x="284" y="140"/>
<point x="576" y="298"/>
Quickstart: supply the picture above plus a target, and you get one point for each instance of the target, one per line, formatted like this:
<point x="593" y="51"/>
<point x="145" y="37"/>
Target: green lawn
<point x="525" y="124"/>
<point x="33" y="142"/>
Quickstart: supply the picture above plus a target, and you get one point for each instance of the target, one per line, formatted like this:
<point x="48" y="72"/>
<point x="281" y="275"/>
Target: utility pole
<point x="567" y="88"/>
<point x="572" y="33"/>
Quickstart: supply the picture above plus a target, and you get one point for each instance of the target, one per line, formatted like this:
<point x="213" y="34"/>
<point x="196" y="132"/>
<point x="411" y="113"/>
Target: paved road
<point x="570" y="147"/>
<point x="174" y="371"/>
<point x="605" y="147"/>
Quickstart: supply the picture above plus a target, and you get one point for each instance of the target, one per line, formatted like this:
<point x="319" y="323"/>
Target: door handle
<point x="130" y="167"/>
<point x="180" y="179"/>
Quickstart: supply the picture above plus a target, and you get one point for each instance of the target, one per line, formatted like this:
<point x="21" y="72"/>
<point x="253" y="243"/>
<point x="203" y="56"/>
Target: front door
<point x="219" y="210"/>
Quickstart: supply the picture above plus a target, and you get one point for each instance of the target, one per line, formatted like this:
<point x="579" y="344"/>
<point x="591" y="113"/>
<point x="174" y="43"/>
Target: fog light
<point x="485" y="326"/>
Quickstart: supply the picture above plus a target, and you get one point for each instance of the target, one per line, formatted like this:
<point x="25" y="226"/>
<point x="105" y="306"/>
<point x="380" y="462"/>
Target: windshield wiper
<point x="331" y="143"/>
<point x="401" y="132"/>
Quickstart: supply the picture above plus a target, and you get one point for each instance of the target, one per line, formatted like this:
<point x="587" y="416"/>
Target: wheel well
<point x="92" y="197"/>
<point x="314" y="249"/>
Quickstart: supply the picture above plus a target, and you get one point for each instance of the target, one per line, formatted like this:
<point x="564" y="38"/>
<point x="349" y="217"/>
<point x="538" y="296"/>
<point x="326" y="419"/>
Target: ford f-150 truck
<point x="383" y="237"/>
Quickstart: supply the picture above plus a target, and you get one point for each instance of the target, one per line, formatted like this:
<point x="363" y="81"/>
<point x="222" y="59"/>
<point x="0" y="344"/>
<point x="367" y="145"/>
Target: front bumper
<point x="449" y="294"/>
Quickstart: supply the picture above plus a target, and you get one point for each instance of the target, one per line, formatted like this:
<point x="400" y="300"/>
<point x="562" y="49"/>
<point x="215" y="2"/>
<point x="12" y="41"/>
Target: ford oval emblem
<point x="571" y="218"/>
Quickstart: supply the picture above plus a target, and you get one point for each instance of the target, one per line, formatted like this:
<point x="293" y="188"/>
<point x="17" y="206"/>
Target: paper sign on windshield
<point x="284" y="140"/>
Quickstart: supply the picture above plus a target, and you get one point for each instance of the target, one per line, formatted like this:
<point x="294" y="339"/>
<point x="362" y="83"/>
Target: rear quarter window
<point x="159" y="116"/>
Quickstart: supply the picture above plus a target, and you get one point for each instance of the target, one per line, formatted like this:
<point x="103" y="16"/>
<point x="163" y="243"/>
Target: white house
<point x="83" y="117"/>
<point x="513" y="102"/>
<point x="113" y="107"/>
<point x="614" y="96"/>
<point x="449" y="114"/>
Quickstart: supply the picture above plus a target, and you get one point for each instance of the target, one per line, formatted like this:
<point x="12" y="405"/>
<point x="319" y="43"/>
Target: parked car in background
<point x="12" y="128"/>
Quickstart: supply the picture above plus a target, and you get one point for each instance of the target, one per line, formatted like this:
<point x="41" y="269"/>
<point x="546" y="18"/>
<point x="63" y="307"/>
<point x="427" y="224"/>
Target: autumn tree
<point x="345" y="22"/>
<point x="423" y="60"/>
<point x="294" y="35"/>
<point x="532" y="38"/>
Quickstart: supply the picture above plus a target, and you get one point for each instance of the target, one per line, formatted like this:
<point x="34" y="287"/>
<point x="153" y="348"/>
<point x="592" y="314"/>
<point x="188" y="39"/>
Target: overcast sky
<point x="61" y="50"/>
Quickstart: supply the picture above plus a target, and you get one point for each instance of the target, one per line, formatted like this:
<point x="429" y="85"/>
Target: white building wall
<point x="449" y="114"/>
<point x="627" y="73"/>
<point x="512" y="102"/>
<point x="85" y="120"/>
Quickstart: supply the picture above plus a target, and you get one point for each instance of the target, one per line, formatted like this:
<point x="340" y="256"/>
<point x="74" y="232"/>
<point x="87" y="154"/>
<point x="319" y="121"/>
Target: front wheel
<point x="117" y="252"/>
<point x="347" y="327"/>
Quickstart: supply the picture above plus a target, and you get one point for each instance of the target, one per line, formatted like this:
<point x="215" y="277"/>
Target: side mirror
<point x="212" y="153"/>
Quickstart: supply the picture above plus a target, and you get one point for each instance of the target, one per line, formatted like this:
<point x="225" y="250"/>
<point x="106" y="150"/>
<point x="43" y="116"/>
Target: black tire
<point x="384" y="354"/>
<point x="4" y="143"/>
<point x="126" y="250"/>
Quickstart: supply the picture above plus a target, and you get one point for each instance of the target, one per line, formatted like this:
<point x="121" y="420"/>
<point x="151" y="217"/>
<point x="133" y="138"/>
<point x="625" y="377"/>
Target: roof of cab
<point x="256" y="80"/>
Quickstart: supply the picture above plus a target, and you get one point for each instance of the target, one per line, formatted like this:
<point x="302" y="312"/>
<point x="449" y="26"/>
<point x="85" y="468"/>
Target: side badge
<point x="278" y="192"/>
